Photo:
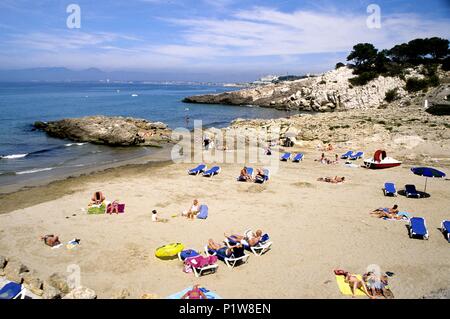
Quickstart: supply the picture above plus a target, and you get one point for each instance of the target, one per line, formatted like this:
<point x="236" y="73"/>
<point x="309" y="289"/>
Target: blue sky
<point x="207" y="36"/>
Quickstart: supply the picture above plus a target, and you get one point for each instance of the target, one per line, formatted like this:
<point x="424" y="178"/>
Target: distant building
<point x="266" y="79"/>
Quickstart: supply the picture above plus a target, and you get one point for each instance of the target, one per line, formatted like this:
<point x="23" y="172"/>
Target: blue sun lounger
<point x="262" y="179"/>
<point x="298" y="158"/>
<point x="418" y="228"/>
<point x="249" y="172"/>
<point x="389" y="189"/>
<point x="356" y="156"/>
<point x="285" y="157"/>
<point x="211" y="172"/>
<point x="410" y="191"/>
<point x="199" y="169"/>
<point x="347" y="155"/>
<point x="445" y="227"/>
<point x="10" y="290"/>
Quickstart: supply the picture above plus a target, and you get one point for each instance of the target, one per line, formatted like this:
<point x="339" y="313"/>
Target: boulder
<point x="59" y="282"/>
<point x="51" y="292"/>
<point x="3" y="261"/>
<point x="81" y="293"/>
<point x="33" y="283"/>
<point x="15" y="271"/>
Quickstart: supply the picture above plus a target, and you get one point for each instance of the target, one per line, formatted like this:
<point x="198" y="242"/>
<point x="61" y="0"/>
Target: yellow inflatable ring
<point x="169" y="250"/>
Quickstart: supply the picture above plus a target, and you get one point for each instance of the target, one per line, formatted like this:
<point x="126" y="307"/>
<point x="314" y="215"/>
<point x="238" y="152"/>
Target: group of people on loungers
<point x="250" y="239"/>
<point x="245" y="176"/>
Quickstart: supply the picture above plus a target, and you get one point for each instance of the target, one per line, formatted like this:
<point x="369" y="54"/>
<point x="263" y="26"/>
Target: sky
<point x="240" y="38"/>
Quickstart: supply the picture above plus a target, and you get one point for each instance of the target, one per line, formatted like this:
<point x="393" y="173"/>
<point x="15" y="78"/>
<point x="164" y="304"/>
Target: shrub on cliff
<point x="416" y="85"/>
<point x="391" y="95"/>
<point x="339" y="65"/>
<point x="363" y="78"/>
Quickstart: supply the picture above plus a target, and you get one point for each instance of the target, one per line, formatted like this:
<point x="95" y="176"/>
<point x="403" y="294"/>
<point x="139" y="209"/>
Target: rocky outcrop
<point x="114" y="131"/>
<point x="330" y="91"/>
<point x="439" y="100"/>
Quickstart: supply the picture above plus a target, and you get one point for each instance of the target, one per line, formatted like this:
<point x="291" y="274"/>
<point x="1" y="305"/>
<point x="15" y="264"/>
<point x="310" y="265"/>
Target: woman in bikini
<point x="252" y="239"/>
<point x="356" y="283"/>
<point x="245" y="175"/>
<point x="386" y="212"/>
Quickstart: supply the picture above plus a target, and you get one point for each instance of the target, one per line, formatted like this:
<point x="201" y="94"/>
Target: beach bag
<point x="203" y="214"/>
<point x="188" y="253"/>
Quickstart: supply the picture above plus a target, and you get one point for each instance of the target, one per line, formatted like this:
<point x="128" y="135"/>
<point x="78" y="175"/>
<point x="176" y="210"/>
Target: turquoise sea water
<point x="29" y="154"/>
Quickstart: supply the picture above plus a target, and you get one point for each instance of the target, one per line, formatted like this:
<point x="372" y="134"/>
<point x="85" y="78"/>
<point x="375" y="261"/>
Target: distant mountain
<point x="58" y="74"/>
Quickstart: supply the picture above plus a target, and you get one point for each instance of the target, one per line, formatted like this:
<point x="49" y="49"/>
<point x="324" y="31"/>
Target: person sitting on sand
<point x="194" y="293"/>
<point x="194" y="210"/>
<point x="336" y="159"/>
<point x="97" y="198"/>
<point x="235" y="250"/>
<point x="51" y="240"/>
<point x="391" y="213"/>
<point x="330" y="147"/>
<point x="113" y="208"/>
<point x="250" y="238"/>
<point x="244" y="175"/>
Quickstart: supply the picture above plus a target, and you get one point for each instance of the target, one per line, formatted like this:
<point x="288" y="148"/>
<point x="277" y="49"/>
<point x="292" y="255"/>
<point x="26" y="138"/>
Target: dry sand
<point x="315" y="227"/>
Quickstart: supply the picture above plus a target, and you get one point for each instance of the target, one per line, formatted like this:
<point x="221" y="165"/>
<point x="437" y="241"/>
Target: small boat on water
<point x="380" y="161"/>
<point x="134" y="95"/>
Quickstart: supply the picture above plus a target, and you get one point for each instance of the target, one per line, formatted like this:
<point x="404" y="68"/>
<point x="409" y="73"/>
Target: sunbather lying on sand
<point x="236" y="250"/>
<point x="51" y="240"/>
<point x="252" y="239"/>
<point x="354" y="283"/>
<point x="378" y="286"/>
<point x="333" y="180"/>
<point x="244" y="175"/>
<point x="97" y="198"/>
<point x="194" y="293"/>
<point x="387" y="212"/>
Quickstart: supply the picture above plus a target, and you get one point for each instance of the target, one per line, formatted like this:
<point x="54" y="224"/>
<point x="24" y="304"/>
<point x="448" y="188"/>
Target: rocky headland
<point x="113" y="131"/>
<point x="328" y="92"/>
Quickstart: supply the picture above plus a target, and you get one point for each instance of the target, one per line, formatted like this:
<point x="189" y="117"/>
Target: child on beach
<point x="155" y="217"/>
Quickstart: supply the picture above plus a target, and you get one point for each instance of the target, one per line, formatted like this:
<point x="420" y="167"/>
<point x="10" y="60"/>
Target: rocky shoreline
<point x="328" y="92"/>
<point x="112" y="131"/>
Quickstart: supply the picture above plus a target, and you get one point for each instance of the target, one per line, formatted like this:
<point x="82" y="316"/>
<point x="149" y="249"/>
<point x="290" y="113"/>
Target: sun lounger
<point x="229" y="261"/>
<point x="259" y="249"/>
<point x="389" y="189"/>
<point x="201" y="264"/>
<point x="298" y="158"/>
<point x="418" y="228"/>
<point x="211" y="172"/>
<point x="410" y="191"/>
<point x="347" y="155"/>
<point x="10" y="291"/>
<point x="249" y="172"/>
<point x="445" y="227"/>
<point x="199" y="169"/>
<point x="356" y="156"/>
<point x="203" y="213"/>
<point x="285" y="157"/>
<point x="262" y="179"/>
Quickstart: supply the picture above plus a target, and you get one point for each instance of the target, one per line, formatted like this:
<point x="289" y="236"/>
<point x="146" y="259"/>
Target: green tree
<point x="438" y="48"/>
<point x="363" y="55"/>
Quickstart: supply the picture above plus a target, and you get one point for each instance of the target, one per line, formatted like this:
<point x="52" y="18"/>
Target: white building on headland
<point x="266" y="79"/>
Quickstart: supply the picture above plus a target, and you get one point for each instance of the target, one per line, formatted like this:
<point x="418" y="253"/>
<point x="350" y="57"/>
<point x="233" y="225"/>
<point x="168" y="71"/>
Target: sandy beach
<point x="315" y="227"/>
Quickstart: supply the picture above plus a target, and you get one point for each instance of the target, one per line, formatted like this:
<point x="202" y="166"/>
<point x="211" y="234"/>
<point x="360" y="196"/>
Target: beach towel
<point x="344" y="287"/>
<point x="72" y="244"/>
<point x="209" y="294"/>
<point x="97" y="209"/>
<point x="203" y="214"/>
<point x="405" y="217"/>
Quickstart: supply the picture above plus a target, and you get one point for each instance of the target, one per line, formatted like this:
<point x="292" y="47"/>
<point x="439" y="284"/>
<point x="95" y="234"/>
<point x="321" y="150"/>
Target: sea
<point x="28" y="156"/>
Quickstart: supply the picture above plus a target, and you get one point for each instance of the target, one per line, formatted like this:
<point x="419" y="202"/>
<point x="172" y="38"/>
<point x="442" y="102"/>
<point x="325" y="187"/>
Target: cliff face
<point x="328" y="92"/>
<point x="114" y="131"/>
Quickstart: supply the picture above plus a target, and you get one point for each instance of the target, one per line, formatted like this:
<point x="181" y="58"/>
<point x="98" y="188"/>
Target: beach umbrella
<point x="427" y="172"/>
